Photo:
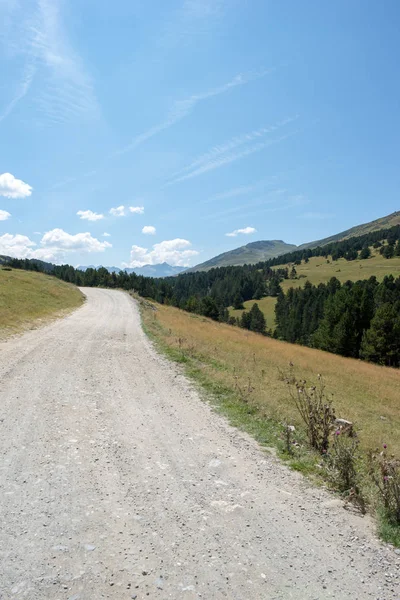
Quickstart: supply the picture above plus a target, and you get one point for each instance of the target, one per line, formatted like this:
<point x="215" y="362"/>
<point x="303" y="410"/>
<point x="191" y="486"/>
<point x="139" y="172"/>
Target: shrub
<point x="315" y="409"/>
<point x="385" y="473"/>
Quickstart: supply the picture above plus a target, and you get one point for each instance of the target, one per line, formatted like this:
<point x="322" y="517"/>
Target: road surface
<point x="118" y="481"/>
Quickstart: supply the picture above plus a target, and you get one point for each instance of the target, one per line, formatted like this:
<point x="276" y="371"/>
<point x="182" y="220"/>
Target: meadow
<point x="236" y="359"/>
<point x="28" y="299"/>
<point x="242" y="375"/>
<point x="321" y="270"/>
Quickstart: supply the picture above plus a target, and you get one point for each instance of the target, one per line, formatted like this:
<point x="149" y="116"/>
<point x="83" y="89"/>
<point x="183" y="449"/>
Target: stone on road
<point x="118" y="481"/>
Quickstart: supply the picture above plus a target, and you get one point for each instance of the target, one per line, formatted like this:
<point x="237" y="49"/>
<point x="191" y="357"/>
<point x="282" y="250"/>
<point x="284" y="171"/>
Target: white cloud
<point x="174" y="252"/>
<point x="138" y="210"/>
<point x="83" y="242"/>
<point x="10" y="187"/>
<point x="105" y="234"/>
<point x="118" y="211"/>
<point x="89" y="215"/>
<point x="18" y="246"/>
<point x="149" y="229"/>
<point x="4" y="215"/>
<point x="56" y="245"/>
<point x="244" y="231"/>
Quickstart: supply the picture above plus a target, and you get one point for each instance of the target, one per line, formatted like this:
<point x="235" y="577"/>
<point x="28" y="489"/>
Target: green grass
<point x="267" y="305"/>
<point x="318" y="270"/>
<point x="28" y="299"/>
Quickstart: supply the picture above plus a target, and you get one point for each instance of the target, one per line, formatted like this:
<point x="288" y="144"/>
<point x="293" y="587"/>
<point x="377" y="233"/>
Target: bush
<point x="315" y="409"/>
<point x="385" y="473"/>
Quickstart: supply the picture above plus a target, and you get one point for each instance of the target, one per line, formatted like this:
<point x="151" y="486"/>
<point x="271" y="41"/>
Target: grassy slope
<point x="248" y="254"/>
<point x="317" y="270"/>
<point x="27" y="298"/>
<point x="382" y="223"/>
<point x="224" y="355"/>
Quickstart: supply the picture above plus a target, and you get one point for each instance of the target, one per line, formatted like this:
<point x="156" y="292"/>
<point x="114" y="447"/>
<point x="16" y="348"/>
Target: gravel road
<point x="118" y="481"/>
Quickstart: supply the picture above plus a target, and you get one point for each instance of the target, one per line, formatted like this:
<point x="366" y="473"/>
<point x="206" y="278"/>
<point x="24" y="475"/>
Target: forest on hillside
<point x="358" y="319"/>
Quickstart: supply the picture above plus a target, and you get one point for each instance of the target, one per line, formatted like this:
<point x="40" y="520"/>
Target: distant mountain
<point x="159" y="270"/>
<point x="259" y="251"/>
<point x="382" y="223"/>
<point x="248" y="254"/>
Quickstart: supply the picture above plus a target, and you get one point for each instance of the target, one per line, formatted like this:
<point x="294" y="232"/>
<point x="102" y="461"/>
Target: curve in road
<point x="117" y="481"/>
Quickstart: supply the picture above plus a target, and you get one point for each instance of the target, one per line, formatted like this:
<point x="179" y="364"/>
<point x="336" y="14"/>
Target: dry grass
<point x="364" y="393"/>
<point x="28" y="298"/>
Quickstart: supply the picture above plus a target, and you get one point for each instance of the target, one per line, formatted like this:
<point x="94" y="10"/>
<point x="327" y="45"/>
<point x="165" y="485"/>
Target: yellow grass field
<point x="28" y="299"/>
<point x="317" y="270"/>
<point x="368" y="395"/>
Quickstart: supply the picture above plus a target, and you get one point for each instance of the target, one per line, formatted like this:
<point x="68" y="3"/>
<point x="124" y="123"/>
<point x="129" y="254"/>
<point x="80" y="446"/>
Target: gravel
<point x="118" y="481"/>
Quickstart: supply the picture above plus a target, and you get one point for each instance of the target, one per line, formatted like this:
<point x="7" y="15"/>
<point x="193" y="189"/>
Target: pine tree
<point x="381" y="342"/>
<point x="257" y="319"/>
<point x="365" y="253"/>
<point x="238" y="302"/>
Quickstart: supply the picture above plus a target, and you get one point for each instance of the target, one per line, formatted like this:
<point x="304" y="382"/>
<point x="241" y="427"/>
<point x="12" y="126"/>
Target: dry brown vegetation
<point x="364" y="393"/>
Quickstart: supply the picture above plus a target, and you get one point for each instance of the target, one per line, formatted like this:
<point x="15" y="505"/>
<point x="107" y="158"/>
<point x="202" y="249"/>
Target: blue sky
<point x="168" y="125"/>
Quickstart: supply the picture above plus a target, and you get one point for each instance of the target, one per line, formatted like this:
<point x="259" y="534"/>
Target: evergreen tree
<point x="365" y="253"/>
<point x="238" y="302"/>
<point x="257" y="320"/>
<point x="381" y="342"/>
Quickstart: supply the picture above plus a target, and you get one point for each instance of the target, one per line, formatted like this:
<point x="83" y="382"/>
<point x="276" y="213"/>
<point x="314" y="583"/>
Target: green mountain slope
<point x="249" y="254"/>
<point x="258" y="251"/>
<point x="382" y="223"/>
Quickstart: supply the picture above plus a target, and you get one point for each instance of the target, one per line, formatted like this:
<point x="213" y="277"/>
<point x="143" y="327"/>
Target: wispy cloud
<point x="183" y="108"/>
<point x="262" y="207"/>
<point x="227" y="153"/>
<point x="241" y="190"/>
<point x="244" y="231"/>
<point x="69" y="93"/>
<point x="35" y="33"/>
<point x="192" y="20"/>
<point x="21" y="91"/>
<point x="262" y="201"/>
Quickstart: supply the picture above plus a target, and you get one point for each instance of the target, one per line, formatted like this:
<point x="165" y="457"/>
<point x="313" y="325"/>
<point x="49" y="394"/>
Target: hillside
<point x="318" y="270"/>
<point x="249" y="254"/>
<point x="28" y="298"/>
<point x="223" y="357"/>
<point x="382" y="223"/>
<point x="263" y="250"/>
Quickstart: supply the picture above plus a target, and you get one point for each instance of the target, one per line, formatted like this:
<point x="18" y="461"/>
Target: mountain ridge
<point x="157" y="270"/>
<point x="261" y="250"/>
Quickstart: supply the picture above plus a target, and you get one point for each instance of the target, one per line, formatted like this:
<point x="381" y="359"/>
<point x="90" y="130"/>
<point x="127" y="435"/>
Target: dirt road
<point x="117" y="481"/>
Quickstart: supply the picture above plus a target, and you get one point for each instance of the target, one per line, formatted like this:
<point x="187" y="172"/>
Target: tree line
<point x="348" y="319"/>
<point x="357" y="319"/>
